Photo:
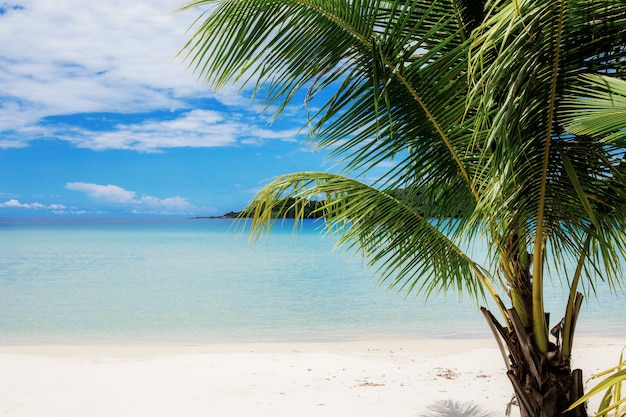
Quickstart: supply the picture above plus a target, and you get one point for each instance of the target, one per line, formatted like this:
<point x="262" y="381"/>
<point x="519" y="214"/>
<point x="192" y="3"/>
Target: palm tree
<point x="611" y="386"/>
<point x="598" y="109"/>
<point x="467" y="100"/>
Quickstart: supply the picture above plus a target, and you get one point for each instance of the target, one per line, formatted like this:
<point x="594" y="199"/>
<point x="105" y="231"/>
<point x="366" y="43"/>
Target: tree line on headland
<point x="285" y="210"/>
<point x="314" y="209"/>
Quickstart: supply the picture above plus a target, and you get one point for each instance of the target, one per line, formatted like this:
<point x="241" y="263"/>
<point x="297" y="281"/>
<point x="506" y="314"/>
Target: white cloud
<point x="194" y="129"/>
<point x="107" y="193"/>
<point x="114" y="196"/>
<point x="77" y="40"/>
<point x="146" y="204"/>
<point x="75" y="57"/>
<point x="166" y="205"/>
<point x="13" y="203"/>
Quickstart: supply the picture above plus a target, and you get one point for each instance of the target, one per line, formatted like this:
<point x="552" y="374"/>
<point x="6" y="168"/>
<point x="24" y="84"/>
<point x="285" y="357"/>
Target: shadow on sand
<point x="451" y="408"/>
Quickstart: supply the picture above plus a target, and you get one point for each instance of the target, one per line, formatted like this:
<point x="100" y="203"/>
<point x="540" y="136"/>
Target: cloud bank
<point x="91" y="58"/>
<point x="13" y="204"/>
<point x="113" y="195"/>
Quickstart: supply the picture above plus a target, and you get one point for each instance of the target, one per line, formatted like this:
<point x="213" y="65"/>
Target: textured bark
<point x="544" y="384"/>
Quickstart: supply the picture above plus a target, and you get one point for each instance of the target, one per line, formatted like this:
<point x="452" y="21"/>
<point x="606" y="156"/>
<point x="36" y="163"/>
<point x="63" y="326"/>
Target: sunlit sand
<point x="365" y="378"/>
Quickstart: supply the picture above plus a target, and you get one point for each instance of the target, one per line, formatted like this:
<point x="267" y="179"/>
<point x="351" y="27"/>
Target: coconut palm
<point x="466" y="100"/>
<point x="611" y="388"/>
<point x="598" y="109"/>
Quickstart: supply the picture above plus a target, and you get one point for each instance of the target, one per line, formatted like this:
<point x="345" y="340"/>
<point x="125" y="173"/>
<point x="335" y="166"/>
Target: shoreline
<point x="76" y="341"/>
<point x="365" y="378"/>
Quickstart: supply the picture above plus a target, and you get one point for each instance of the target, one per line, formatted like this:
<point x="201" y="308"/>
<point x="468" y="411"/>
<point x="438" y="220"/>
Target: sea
<point x="196" y="280"/>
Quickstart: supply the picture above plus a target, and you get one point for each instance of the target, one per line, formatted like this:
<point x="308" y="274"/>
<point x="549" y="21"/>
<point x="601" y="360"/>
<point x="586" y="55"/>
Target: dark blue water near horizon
<point x="200" y="280"/>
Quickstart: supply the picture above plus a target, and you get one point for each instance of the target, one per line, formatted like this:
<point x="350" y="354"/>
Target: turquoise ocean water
<point x="68" y="280"/>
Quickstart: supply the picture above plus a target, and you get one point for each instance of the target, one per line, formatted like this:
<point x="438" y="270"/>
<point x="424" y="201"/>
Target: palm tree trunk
<point x="544" y="384"/>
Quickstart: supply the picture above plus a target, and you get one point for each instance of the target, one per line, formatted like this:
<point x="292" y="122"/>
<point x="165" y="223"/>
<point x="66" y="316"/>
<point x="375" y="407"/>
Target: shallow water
<point x="108" y="280"/>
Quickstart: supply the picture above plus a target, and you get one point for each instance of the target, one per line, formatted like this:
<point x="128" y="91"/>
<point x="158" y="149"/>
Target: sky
<point x="99" y="118"/>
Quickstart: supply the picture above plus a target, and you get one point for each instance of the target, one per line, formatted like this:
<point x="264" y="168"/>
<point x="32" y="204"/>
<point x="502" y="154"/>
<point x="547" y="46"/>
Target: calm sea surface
<point x="198" y="280"/>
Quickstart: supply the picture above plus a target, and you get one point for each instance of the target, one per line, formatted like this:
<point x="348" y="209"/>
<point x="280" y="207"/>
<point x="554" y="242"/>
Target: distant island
<point x="229" y="215"/>
<point x="311" y="211"/>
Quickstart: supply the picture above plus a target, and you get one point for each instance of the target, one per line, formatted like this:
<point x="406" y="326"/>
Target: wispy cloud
<point x="118" y="57"/>
<point x="196" y="129"/>
<point x="191" y="129"/>
<point x="92" y="56"/>
<point x="107" y="193"/>
<point x="114" y="195"/>
<point x="16" y="204"/>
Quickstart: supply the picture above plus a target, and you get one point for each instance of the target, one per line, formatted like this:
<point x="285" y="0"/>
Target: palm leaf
<point x="597" y="108"/>
<point x="465" y="103"/>
<point x="360" y="54"/>
<point x="611" y="386"/>
<point x="543" y="187"/>
<point x="410" y="252"/>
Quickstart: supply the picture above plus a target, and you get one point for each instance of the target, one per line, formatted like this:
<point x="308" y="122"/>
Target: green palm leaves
<point x="410" y="251"/>
<point x="598" y="108"/>
<point x="471" y="105"/>
<point x="496" y="121"/>
<point x="612" y="402"/>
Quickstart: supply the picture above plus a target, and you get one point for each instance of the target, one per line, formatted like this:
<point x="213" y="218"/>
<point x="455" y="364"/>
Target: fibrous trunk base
<point x="544" y="383"/>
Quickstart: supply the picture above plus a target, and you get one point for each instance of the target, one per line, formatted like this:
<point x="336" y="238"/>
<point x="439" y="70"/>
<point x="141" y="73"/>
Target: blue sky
<point x="97" y="118"/>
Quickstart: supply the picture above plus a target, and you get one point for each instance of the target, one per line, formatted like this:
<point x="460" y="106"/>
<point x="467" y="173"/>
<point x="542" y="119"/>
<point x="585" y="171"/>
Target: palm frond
<point x="613" y="401"/>
<point x="410" y="253"/>
<point x="512" y="68"/>
<point x="470" y="104"/>
<point x="378" y="61"/>
<point x="597" y="107"/>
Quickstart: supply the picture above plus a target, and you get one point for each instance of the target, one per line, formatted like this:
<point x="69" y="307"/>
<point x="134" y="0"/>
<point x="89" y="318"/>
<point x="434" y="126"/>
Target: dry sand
<point x="369" y="378"/>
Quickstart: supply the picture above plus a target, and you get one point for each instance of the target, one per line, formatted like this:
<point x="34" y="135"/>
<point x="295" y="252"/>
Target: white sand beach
<point x="369" y="378"/>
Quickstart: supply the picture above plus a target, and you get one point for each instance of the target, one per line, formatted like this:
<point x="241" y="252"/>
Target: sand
<point x="367" y="378"/>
